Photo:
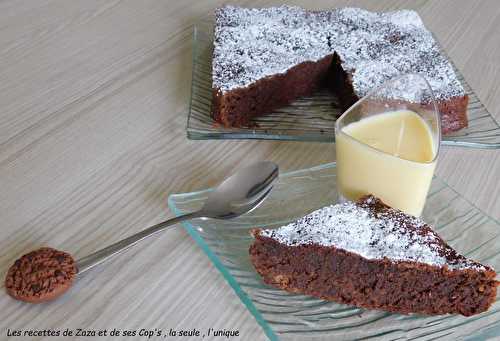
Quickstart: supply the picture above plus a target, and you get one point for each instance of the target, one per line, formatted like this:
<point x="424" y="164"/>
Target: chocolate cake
<point x="373" y="256"/>
<point x="265" y="58"/>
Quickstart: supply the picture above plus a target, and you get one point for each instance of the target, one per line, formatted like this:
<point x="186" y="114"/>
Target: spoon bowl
<point x="242" y="192"/>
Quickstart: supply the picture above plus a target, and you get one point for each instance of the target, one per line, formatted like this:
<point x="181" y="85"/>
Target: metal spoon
<point x="238" y="194"/>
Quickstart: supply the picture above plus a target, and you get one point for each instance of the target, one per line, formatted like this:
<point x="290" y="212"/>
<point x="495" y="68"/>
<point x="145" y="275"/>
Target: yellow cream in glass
<point x="390" y="155"/>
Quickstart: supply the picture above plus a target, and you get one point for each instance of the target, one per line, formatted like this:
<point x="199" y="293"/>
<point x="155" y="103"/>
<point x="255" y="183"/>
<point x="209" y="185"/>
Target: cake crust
<point x="431" y="278"/>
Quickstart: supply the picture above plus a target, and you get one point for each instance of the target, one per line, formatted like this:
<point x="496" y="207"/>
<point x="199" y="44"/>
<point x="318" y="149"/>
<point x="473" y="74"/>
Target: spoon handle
<point x="102" y="255"/>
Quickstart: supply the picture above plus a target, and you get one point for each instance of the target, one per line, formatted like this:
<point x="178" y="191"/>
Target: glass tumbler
<point x="387" y="144"/>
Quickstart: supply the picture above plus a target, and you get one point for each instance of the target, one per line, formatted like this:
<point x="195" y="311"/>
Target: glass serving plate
<point x="283" y="315"/>
<point x="309" y="118"/>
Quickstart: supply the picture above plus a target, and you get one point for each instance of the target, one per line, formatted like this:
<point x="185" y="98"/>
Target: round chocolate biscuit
<point x="41" y="275"/>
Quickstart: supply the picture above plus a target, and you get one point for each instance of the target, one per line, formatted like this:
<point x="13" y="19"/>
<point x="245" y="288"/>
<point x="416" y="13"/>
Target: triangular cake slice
<point x="373" y="256"/>
<point x="265" y="58"/>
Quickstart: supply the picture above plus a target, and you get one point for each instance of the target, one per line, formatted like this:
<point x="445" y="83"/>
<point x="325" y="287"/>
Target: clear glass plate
<point x="283" y="315"/>
<point x="309" y="118"/>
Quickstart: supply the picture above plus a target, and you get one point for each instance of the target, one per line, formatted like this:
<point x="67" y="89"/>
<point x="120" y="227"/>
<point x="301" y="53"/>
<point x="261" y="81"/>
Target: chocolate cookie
<point x="40" y="275"/>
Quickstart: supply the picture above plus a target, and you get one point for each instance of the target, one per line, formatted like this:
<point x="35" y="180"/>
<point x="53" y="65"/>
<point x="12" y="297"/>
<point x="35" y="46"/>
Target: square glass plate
<point x="284" y="315"/>
<point x="309" y="118"/>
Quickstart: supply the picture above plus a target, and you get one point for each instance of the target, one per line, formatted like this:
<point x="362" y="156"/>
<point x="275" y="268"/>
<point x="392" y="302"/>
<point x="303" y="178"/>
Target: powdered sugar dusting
<point x="254" y="43"/>
<point x="373" y="234"/>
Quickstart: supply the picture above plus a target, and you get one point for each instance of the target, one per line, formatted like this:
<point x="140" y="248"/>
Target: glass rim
<point x="377" y="89"/>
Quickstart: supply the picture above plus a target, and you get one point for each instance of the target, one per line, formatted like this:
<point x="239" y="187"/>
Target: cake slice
<point x="373" y="256"/>
<point x="266" y="58"/>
